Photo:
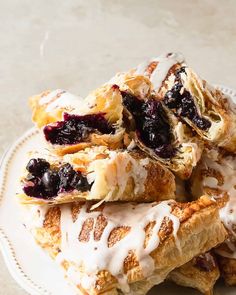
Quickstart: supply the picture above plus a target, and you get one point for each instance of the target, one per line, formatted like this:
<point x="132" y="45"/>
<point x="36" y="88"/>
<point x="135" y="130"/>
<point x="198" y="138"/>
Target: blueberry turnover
<point x="155" y="129"/>
<point x="96" y="174"/>
<point x="126" y="248"/>
<point x="209" y="112"/>
<point x="70" y="124"/>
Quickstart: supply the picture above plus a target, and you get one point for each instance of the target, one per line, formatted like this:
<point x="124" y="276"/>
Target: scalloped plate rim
<point x="6" y="248"/>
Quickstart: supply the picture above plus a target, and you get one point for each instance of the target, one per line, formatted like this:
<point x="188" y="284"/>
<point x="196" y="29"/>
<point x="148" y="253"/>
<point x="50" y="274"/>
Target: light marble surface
<point x="77" y="45"/>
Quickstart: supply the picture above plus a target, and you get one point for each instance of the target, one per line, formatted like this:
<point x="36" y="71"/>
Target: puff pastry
<point x="227" y="259"/>
<point x="156" y="130"/>
<point x="124" y="248"/>
<point x="215" y="176"/>
<point x="96" y="173"/>
<point x="124" y="103"/>
<point x="200" y="273"/>
<point x="71" y="124"/>
<point x="206" y="109"/>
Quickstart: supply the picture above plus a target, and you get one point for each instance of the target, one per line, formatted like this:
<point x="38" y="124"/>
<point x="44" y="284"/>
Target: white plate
<point x="28" y="264"/>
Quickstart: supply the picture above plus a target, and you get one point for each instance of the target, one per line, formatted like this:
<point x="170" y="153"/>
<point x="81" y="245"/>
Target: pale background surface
<point x="77" y="45"/>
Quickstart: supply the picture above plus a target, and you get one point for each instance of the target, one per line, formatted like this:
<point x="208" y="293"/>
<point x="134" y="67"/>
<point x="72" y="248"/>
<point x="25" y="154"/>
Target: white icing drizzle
<point x="76" y="277"/>
<point x="111" y="175"/>
<point x="61" y="99"/>
<point x="109" y="172"/>
<point x="50" y="96"/>
<point x="227" y="168"/>
<point x="132" y="145"/>
<point x="66" y="100"/>
<point x="165" y="62"/>
<point x="95" y="255"/>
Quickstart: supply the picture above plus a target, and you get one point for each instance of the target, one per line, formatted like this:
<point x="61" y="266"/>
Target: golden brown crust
<point x="213" y="105"/>
<point x="200" y="273"/>
<point x="111" y="141"/>
<point x="159" y="181"/>
<point x="218" y="166"/>
<point x="188" y="146"/>
<point x="106" y="99"/>
<point x="226" y="258"/>
<point x="210" y="166"/>
<point x="228" y="270"/>
<point x="200" y="229"/>
<point x="144" y="180"/>
<point x="39" y="115"/>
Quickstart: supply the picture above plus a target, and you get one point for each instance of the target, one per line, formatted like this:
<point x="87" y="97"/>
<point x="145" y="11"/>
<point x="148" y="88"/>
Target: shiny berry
<point x="74" y="128"/>
<point x="66" y="174"/>
<point x="37" y="166"/>
<point x="51" y="181"/>
<point x="36" y="190"/>
<point x="82" y="184"/>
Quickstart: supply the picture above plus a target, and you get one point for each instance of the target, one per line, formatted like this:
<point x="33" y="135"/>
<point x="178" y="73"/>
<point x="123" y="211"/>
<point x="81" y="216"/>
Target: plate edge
<point x="6" y="247"/>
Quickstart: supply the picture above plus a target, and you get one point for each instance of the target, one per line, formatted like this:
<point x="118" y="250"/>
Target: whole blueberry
<point x="51" y="181"/>
<point x="202" y="123"/>
<point x="66" y="174"/>
<point x="36" y="190"/>
<point x="37" y="166"/>
<point x="82" y="184"/>
<point x="30" y="177"/>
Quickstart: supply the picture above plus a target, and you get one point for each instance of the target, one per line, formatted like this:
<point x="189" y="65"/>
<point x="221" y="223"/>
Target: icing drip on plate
<point x="162" y="64"/>
<point x="94" y="254"/>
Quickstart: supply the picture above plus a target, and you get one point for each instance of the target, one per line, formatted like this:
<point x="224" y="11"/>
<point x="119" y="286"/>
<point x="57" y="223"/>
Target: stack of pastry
<point x="136" y="185"/>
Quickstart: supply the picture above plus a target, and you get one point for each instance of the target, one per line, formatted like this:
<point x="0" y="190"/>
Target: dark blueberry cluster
<point x="132" y="104"/>
<point x="44" y="182"/>
<point x="152" y="124"/>
<point x="183" y="104"/>
<point x="74" y="129"/>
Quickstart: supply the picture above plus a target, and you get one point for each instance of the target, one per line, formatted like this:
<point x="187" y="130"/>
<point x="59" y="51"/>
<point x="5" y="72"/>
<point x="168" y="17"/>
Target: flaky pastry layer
<point x="50" y="107"/>
<point x="200" y="273"/>
<point x="184" y="232"/>
<point x="203" y="107"/>
<point x="113" y="176"/>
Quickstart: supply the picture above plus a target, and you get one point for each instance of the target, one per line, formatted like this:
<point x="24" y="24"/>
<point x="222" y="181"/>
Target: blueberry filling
<point x="151" y="123"/>
<point x="37" y="167"/>
<point x="74" y="129"/>
<point x="205" y="262"/>
<point x="182" y="103"/>
<point x="45" y="182"/>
